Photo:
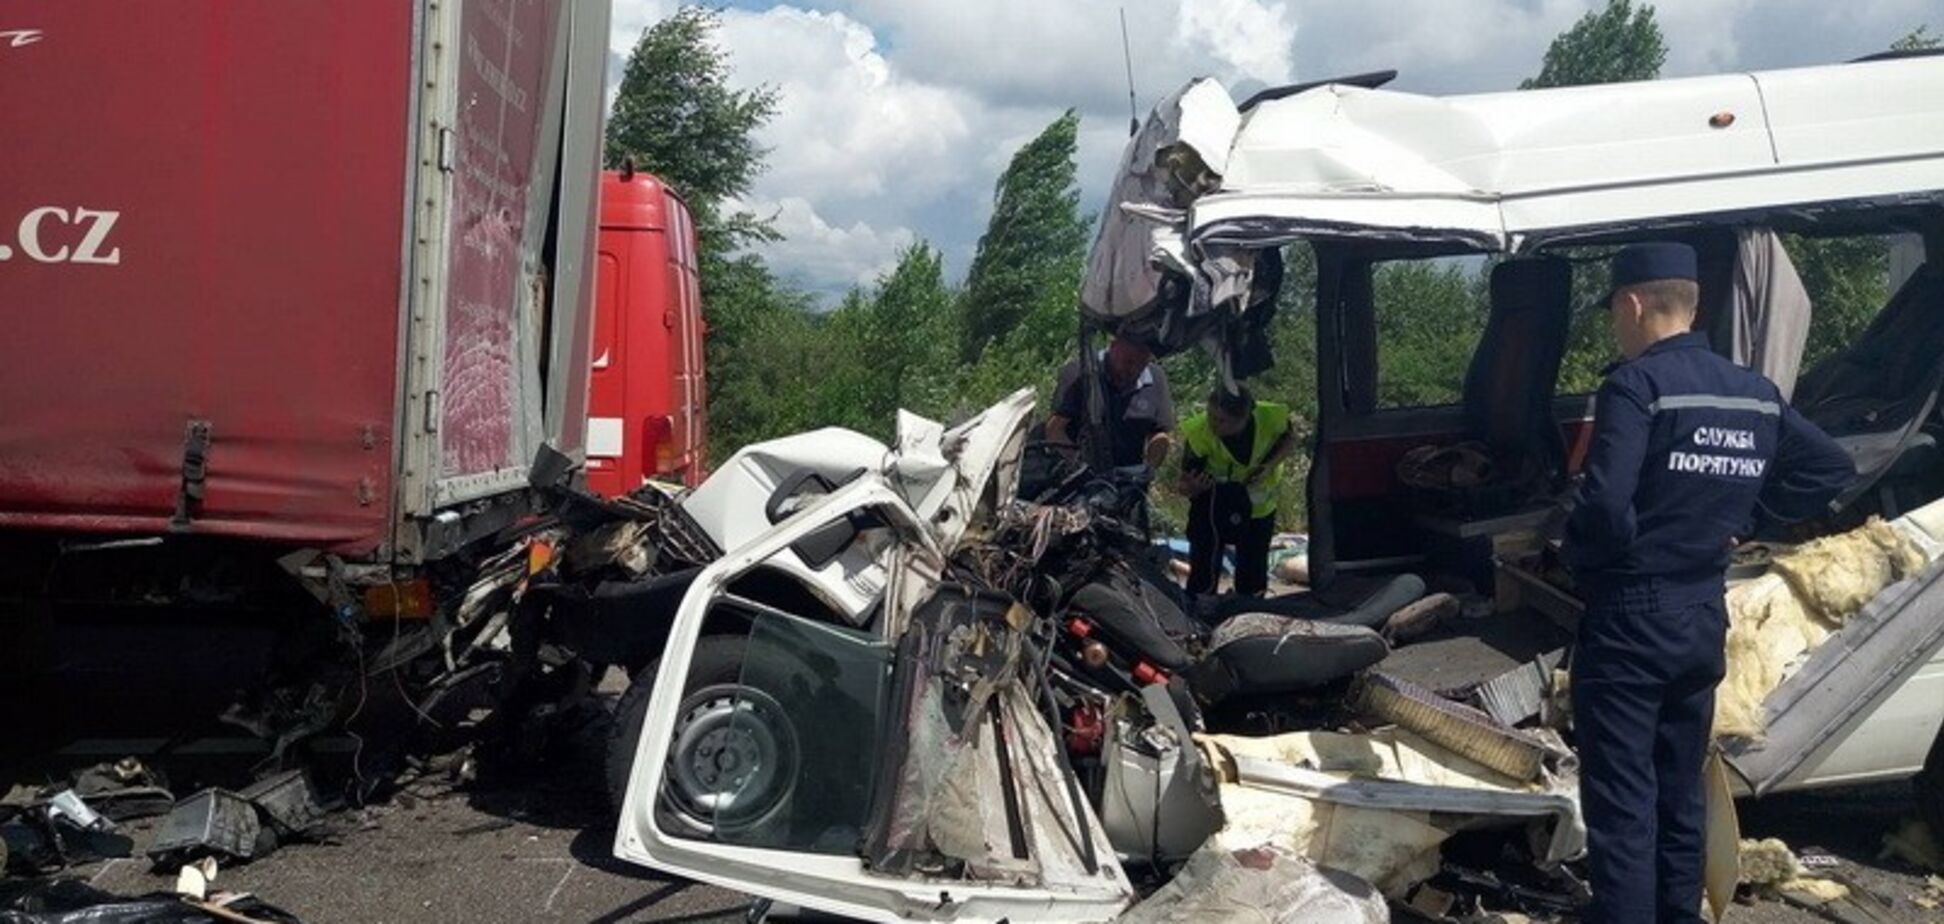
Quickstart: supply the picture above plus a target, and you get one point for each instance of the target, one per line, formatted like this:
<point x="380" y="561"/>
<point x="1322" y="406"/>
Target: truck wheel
<point x="1930" y="786"/>
<point x="735" y="752"/>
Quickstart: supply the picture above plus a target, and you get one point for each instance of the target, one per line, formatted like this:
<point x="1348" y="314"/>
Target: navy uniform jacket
<point x="1690" y="452"/>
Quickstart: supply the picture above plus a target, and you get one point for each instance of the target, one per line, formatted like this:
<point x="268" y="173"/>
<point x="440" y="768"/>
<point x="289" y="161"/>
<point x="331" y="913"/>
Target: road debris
<point x="1266" y="883"/>
<point x="71" y="901"/>
<point x="59" y="830"/>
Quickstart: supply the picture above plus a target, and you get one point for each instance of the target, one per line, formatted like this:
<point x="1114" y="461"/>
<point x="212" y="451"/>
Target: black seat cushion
<point x="1261" y="653"/>
<point x="1352" y="600"/>
<point x="1137" y="615"/>
<point x="1876" y="396"/>
<point x="1509" y="387"/>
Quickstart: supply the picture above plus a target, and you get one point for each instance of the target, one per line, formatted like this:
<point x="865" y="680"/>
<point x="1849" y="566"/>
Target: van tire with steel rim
<point x="727" y="736"/>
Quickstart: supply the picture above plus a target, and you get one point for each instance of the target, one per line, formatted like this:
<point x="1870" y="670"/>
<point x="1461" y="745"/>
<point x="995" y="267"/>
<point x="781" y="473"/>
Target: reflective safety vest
<point x="1271" y="423"/>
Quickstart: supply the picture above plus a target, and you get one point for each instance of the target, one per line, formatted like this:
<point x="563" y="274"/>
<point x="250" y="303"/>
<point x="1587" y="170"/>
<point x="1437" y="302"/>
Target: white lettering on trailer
<point x="95" y="224"/>
<point x="20" y="38"/>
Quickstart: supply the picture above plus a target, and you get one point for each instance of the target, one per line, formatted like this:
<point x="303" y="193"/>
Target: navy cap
<point x="1638" y="263"/>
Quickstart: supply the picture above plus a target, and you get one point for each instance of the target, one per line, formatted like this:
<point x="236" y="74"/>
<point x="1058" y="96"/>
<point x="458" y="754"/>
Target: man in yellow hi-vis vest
<point x="1231" y="466"/>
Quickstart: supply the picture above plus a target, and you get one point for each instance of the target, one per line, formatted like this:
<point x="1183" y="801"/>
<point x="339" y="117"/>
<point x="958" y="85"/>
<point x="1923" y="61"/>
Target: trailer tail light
<point x="658" y="449"/>
<point x="1079" y="627"/>
<point x="398" y="600"/>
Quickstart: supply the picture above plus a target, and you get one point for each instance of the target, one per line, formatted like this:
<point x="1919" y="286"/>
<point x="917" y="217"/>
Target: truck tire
<point x="1929" y="784"/>
<point x="717" y="716"/>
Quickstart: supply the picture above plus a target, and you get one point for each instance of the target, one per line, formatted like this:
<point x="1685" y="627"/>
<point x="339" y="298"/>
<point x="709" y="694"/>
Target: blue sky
<point x="896" y="116"/>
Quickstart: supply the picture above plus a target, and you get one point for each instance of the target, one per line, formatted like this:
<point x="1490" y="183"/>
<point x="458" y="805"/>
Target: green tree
<point x="1430" y="315"/>
<point x="1919" y="39"/>
<point x="1619" y="43"/>
<point x="1034" y="245"/>
<point x="677" y="116"/>
<point x="1848" y="280"/>
<point x="763" y="347"/>
<point x="890" y="348"/>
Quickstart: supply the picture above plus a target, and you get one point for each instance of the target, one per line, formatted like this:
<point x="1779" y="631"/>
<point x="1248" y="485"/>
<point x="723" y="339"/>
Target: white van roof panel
<point x="1491" y="168"/>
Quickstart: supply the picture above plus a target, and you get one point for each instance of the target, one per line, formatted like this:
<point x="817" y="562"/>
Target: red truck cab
<point x="646" y="405"/>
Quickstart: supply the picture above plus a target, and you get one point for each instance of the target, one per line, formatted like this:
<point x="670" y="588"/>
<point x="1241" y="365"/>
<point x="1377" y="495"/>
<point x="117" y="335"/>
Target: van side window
<point x="1430" y="315"/>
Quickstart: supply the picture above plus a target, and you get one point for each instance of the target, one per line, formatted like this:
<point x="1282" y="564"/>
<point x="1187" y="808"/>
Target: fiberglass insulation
<point x="1776" y="620"/>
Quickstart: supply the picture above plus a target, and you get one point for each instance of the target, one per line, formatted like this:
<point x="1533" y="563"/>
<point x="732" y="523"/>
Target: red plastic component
<point x="1080" y="627"/>
<point x="1146" y="673"/>
<point x="1086" y="730"/>
<point x="647" y="404"/>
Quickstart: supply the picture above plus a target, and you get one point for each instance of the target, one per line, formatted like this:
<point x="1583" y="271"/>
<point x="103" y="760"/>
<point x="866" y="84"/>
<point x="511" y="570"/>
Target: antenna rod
<point x="1127" y="55"/>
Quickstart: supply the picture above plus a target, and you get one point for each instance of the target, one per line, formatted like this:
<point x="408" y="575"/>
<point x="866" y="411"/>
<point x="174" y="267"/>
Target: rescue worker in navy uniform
<point x="1690" y="452"/>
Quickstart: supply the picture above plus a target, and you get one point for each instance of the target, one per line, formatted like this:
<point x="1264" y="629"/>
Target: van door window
<point x="1430" y="314"/>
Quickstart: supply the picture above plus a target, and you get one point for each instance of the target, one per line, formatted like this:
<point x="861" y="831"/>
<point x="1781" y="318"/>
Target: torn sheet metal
<point x="1181" y="152"/>
<point x="1812" y="592"/>
<point x="1160" y="801"/>
<point x="1822" y="693"/>
<point x="1520" y="693"/>
<point x="1074" y="875"/>
<point x="1378" y="805"/>
<point x="1259" y="885"/>
<point x="946" y="473"/>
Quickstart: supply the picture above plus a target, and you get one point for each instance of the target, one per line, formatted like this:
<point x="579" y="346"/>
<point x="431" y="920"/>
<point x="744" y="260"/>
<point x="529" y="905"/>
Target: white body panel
<point x="923" y="495"/>
<point x="1886" y="743"/>
<point x="1509" y="168"/>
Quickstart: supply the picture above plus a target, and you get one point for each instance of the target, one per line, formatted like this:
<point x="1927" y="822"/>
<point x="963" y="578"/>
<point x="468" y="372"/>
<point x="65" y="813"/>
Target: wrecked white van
<point x="1540" y="186"/>
<point x="907" y="692"/>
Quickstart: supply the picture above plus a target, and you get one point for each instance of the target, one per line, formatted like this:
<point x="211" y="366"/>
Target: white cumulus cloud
<point x="824" y="257"/>
<point x="896" y="116"/>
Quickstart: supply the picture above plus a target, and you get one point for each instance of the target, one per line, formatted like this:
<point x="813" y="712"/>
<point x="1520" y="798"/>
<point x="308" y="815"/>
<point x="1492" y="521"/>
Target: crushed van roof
<point x="1502" y="170"/>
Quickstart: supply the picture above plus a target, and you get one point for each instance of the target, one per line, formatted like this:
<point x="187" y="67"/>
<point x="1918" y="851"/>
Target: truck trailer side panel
<point x="202" y="226"/>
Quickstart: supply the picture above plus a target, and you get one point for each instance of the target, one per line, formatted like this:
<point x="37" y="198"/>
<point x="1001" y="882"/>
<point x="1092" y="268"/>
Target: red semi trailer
<point x="305" y="283"/>
<point x="646" y="408"/>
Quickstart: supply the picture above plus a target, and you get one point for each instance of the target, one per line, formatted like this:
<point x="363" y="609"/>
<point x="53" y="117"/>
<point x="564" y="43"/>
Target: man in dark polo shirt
<point x="1140" y="413"/>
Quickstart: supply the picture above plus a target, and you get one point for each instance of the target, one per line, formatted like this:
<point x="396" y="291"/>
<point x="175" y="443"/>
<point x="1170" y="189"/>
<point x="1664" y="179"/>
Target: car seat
<point x="1508" y="389"/>
<point x="1877" y="396"/>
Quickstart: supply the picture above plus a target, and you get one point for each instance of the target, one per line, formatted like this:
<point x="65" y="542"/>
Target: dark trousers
<point x="1644" y="676"/>
<point x="1213" y="526"/>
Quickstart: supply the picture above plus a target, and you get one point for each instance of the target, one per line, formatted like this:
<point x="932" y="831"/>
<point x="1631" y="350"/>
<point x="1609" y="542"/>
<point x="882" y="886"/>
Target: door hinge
<point x="446" y="152"/>
<point x="431" y="412"/>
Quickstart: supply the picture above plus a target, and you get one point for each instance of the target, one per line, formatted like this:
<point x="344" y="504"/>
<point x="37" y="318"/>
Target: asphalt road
<point x="539" y="850"/>
<point x="536" y="845"/>
<point x="538" y="854"/>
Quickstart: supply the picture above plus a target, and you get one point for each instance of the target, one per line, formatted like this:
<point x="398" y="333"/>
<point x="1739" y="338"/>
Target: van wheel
<point x="1930" y="786"/>
<point x="734" y="756"/>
